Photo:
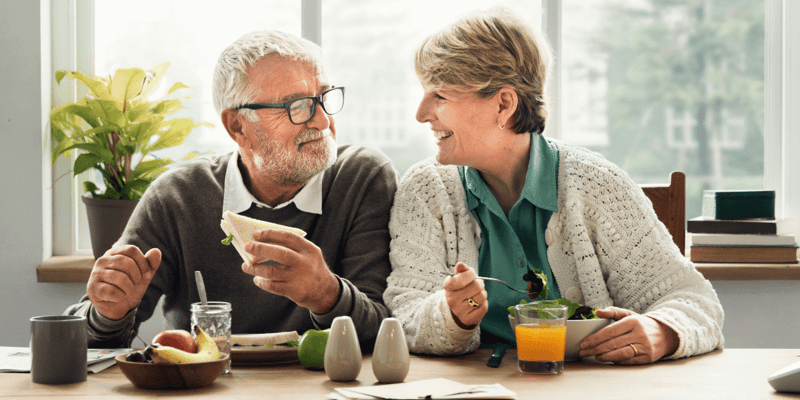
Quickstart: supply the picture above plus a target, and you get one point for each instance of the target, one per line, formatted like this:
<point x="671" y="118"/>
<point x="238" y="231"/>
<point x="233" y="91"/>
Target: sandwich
<point x="240" y="230"/>
<point x="266" y="339"/>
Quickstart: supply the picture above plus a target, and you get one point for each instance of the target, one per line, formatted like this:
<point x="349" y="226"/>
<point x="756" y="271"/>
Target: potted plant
<point x="115" y="129"/>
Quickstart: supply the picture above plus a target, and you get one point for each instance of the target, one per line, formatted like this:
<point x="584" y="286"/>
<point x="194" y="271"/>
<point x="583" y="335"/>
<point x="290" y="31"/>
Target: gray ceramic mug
<point x="58" y="349"/>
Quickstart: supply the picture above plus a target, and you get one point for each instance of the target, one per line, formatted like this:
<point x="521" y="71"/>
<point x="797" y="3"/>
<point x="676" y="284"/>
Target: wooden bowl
<point x="172" y="376"/>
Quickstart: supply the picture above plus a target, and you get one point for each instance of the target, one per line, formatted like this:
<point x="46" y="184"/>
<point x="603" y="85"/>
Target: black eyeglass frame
<point x="288" y="105"/>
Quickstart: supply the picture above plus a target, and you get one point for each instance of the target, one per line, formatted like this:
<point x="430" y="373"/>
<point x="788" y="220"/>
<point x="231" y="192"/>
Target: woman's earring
<point x="501" y="126"/>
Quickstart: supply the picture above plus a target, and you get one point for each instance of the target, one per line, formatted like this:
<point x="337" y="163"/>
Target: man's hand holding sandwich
<point x="297" y="270"/>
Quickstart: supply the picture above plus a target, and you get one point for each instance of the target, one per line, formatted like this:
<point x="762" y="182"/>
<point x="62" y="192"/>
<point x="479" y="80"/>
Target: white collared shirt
<point x="238" y="199"/>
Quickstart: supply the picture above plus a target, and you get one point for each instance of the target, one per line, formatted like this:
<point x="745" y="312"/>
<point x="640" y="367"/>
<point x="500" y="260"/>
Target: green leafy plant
<point x="117" y="125"/>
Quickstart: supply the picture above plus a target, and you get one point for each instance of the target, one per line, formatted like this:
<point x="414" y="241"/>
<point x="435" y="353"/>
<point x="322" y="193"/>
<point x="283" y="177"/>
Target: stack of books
<point x="740" y="227"/>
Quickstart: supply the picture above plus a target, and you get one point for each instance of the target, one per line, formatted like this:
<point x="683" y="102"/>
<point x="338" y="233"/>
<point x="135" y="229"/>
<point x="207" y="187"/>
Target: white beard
<point x="294" y="166"/>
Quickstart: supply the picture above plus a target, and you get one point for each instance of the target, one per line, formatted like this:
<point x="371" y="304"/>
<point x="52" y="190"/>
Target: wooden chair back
<point x="669" y="203"/>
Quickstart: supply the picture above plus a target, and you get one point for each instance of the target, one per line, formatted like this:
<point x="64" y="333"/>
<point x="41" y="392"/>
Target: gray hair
<point x="230" y="74"/>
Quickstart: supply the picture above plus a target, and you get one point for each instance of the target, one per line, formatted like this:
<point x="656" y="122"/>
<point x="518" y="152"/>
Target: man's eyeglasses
<point x="302" y="110"/>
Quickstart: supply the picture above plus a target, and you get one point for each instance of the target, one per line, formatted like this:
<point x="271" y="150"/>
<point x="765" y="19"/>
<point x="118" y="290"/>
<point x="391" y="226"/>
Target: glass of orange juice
<point x="541" y="332"/>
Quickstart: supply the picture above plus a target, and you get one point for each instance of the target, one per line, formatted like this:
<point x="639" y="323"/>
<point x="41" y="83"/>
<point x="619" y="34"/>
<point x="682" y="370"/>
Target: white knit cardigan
<point x="605" y="247"/>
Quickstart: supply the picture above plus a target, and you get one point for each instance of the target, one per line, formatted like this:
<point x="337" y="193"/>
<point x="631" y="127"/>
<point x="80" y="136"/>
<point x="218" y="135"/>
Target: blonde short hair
<point x="485" y="51"/>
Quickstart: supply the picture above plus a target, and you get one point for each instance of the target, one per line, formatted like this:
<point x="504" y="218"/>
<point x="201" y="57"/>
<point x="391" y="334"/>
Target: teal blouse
<point x="511" y="246"/>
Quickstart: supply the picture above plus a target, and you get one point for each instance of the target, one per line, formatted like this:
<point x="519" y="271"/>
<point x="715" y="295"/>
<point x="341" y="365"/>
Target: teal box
<point x="738" y="204"/>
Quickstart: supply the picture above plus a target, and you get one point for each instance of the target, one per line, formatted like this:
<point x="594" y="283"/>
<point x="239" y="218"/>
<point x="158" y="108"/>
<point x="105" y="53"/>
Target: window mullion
<point x="773" y="101"/>
<point x="551" y="27"/>
<point x="72" y="35"/>
<point x="63" y="17"/>
<point x="84" y="33"/>
<point x="791" y="98"/>
<point x="85" y="57"/>
<point x="311" y="20"/>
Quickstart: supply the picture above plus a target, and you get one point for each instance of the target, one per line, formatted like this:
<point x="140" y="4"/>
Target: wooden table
<point x="722" y="374"/>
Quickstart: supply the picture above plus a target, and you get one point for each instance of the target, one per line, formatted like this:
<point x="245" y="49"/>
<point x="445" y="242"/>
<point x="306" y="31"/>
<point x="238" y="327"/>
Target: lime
<point x="311" y="348"/>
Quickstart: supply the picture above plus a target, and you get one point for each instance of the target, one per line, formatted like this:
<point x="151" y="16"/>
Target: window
<point x="190" y="35"/>
<point x="618" y="88"/>
<point x="382" y="90"/>
<point x="658" y="86"/>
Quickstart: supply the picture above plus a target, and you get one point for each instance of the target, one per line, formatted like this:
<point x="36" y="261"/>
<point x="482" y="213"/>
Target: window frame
<point x="72" y="36"/>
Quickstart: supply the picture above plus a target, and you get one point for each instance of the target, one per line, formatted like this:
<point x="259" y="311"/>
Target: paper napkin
<point x="439" y="388"/>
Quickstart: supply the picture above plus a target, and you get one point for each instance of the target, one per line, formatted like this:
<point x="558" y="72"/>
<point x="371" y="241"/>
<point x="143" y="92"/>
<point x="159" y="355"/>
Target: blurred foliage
<point x="700" y="56"/>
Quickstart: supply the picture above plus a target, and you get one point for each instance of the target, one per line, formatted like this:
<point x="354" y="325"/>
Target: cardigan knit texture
<point x="606" y="247"/>
<point x="180" y="214"/>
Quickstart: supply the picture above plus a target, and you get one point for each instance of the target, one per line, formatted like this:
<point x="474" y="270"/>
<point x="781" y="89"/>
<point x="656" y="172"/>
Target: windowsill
<point x="78" y="267"/>
<point x="748" y="272"/>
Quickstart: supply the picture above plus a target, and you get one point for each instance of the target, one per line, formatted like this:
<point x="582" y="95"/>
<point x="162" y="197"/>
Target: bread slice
<point x="263" y="339"/>
<point x="242" y="229"/>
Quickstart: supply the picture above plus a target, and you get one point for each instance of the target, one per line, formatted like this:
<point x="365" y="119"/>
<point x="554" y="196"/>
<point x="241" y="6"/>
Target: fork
<point x="495" y="280"/>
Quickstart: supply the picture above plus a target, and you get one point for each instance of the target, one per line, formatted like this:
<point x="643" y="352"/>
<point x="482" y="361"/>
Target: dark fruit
<point x="535" y="284"/>
<point x="582" y="312"/>
<point x="137" y="356"/>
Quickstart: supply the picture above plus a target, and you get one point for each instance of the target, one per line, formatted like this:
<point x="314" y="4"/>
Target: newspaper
<point x="438" y="388"/>
<point x="18" y="359"/>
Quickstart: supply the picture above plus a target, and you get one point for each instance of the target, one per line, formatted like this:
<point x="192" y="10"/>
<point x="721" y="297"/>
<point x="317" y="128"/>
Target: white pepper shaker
<point x="390" y="359"/>
<point x="342" y="353"/>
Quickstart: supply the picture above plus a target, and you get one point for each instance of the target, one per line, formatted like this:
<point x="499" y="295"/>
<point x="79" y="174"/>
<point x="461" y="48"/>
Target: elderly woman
<point x="500" y="199"/>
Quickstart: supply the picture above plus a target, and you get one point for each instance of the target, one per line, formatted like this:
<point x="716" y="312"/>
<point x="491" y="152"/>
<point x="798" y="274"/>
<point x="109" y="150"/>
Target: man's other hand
<point x="119" y="279"/>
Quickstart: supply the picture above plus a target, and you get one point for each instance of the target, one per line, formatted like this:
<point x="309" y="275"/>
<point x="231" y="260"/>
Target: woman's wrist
<point x="461" y="324"/>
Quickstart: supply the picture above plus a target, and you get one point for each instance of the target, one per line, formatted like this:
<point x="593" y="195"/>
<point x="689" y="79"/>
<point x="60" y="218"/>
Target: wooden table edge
<point x="77" y="268"/>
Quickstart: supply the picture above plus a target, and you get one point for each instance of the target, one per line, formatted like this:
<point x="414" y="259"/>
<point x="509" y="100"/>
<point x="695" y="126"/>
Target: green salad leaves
<point x="291" y="343"/>
<point x="537" y="288"/>
<point x="575" y="311"/>
<point x="228" y="240"/>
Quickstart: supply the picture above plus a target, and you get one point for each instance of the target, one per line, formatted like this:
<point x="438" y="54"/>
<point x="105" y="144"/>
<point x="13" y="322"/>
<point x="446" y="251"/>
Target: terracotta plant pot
<point x="107" y="220"/>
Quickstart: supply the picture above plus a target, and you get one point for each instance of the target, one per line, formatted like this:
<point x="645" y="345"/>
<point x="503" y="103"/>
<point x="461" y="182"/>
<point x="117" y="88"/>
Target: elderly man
<point x="275" y="101"/>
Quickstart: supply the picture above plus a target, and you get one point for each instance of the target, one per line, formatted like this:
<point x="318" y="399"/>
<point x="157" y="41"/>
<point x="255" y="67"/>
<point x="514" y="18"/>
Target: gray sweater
<point x="180" y="215"/>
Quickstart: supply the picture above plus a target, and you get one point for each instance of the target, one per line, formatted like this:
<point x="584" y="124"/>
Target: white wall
<point x="24" y="203"/>
<point x="22" y="199"/>
<point x="25" y="206"/>
<point x="760" y="313"/>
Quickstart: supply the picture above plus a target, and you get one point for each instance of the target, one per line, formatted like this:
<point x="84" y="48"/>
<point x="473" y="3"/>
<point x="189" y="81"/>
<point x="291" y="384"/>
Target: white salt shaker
<point x="390" y="359"/>
<point x="342" y="353"/>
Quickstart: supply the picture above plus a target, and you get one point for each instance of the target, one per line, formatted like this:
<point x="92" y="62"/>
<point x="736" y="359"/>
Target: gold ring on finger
<point x="635" y="352"/>
<point x="473" y="303"/>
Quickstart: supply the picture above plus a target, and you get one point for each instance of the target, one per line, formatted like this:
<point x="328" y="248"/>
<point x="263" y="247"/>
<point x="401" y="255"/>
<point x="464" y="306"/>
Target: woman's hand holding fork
<point x="466" y="296"/>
